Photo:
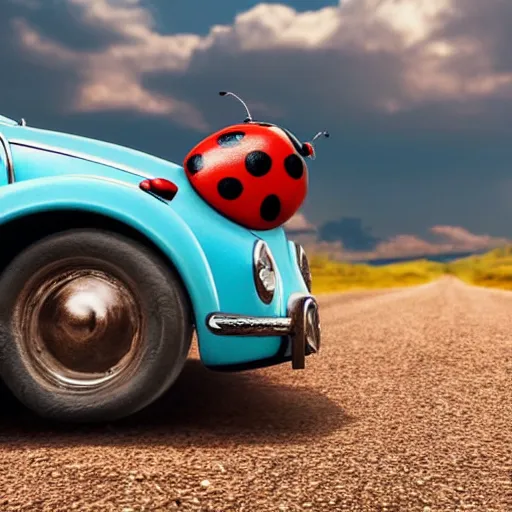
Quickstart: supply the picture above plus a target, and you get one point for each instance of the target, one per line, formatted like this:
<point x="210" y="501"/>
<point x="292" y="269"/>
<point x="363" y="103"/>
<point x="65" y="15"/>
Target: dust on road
<point x="408" y="407"/>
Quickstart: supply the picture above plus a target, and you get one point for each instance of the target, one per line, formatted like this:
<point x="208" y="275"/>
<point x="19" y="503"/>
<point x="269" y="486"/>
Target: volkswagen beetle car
<point x="111" y="258"/>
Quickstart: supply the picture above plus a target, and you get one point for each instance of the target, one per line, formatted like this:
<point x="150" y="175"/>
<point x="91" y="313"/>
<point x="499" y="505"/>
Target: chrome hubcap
<point x="80" y="327"/>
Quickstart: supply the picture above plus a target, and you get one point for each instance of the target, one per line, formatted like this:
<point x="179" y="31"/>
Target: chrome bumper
<point x="301" y="326"/>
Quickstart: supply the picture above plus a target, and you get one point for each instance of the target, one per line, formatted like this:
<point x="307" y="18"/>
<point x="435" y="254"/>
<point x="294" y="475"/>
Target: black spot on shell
<point x="294" y="166"/>
<point x="230" y="139"/>
<point x="195" y="163"/>
<point x="230" y="188"/>
<point x="258" y="163"/>
<point x="270" y="208"/>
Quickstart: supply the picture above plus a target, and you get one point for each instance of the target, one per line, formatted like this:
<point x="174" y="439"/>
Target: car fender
<point x="126" y="203"/>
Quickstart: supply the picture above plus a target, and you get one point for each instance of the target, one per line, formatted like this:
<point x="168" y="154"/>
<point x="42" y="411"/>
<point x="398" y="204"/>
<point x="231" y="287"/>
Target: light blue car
<point x="105" y="277"/>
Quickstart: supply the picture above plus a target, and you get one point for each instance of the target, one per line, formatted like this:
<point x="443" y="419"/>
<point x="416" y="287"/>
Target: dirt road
<point x="408" y="407"/>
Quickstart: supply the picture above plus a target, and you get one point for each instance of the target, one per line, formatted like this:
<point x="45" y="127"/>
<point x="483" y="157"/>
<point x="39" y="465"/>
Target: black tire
<point x="137" y="301"/>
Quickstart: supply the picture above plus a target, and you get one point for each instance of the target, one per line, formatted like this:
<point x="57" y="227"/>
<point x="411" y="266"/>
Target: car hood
<point x="121" y="157"/>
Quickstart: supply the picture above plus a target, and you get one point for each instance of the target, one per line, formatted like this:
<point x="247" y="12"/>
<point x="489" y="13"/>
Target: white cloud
<point x="414" y="20"/>
<point x="299" y="224"/>
<point x="462" y="239"/>
<point x="44" y="47"/>
<point x="122" y="16"/>
<point x="98" y="96"/>
<point x="451" y="239"/>
<point x="112" y="78"/>
<point x="364" y="34"/>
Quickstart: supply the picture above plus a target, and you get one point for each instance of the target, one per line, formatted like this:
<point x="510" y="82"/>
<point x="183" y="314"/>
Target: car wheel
<point x="93" y="326"/>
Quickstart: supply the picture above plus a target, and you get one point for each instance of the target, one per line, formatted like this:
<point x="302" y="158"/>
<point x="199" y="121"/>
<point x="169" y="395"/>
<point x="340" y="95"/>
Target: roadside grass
<point x="493" y="269"/>
<point x="332" y="276"/>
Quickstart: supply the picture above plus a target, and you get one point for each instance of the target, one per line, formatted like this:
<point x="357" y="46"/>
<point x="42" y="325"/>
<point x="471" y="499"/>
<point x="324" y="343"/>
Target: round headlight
<point x="264" y="272"/>
<point x="303" y="263"/>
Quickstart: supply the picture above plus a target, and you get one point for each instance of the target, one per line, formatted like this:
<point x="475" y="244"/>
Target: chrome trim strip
<point x="103" y="178"/>
<point x="8" y="155"/>
<point x="80" y="156"/>
<point x="240" y="325"/>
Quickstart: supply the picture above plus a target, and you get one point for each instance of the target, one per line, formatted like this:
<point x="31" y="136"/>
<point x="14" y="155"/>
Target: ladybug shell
<point x="250" y="173"/>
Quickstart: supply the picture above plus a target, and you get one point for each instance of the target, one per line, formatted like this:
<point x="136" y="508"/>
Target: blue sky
<point x="197" y="16"/>
<point x="417" y="95"/>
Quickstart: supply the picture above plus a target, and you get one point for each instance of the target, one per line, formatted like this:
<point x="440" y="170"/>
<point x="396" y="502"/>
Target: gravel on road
<point x="407" y="407"/>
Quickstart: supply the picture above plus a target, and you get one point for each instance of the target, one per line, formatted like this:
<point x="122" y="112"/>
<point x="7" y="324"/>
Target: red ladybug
<point x="253" y="173"/>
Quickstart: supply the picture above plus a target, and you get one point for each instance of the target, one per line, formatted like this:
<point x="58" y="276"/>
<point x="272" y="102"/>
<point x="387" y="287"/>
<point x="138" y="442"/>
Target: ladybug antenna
<point x="308" y="149"/>
<point x="227" y="93"/>
<point x="320" y="134"/>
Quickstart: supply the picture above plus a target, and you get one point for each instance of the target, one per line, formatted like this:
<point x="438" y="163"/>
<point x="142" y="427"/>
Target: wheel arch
<point x="21" y="232"/>
<point x="32" y="218"/>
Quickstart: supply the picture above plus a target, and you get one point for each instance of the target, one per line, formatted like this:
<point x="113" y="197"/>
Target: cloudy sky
<point x="415" y="93"/>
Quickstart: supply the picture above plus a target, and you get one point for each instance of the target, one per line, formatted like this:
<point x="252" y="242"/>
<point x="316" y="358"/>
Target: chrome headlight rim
<point x="303" y="263"/>
<point x="264" y="264"/>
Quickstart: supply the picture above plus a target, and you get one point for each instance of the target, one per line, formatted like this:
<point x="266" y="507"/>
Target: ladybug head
<point x="305" y="149"/>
